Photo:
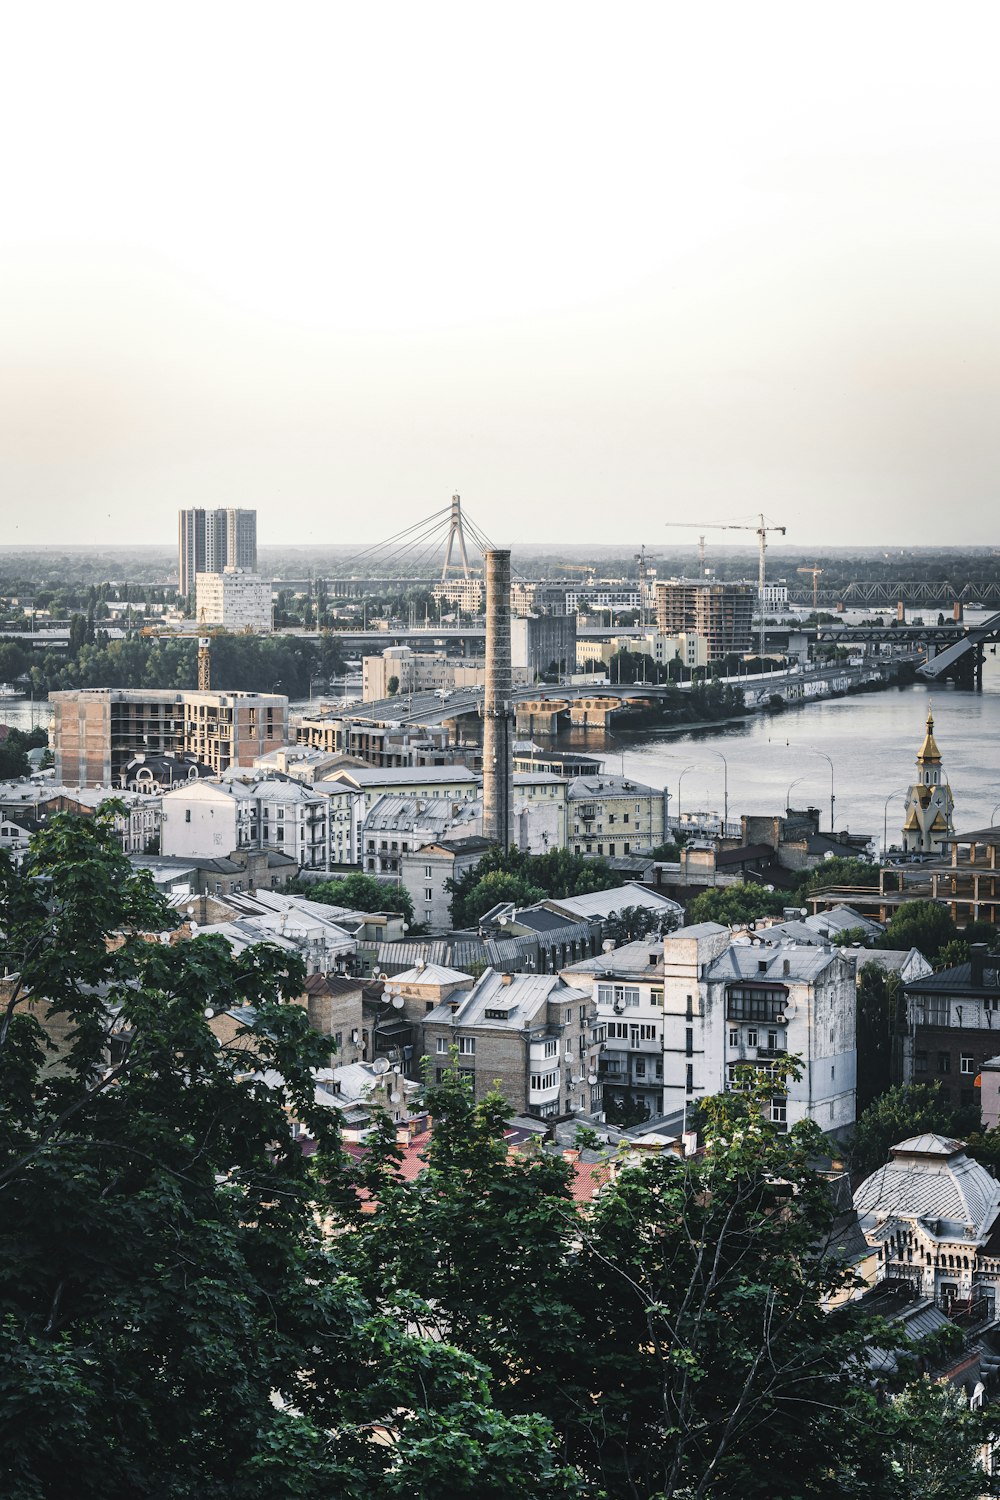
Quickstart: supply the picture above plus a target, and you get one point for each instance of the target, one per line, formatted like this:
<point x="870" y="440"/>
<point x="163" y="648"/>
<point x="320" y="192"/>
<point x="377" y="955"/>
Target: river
<point x="871" y="739"/>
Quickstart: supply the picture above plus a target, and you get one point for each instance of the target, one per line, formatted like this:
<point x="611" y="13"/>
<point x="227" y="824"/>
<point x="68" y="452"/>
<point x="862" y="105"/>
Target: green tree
<point x="878" y="1000"/>
<point x="924" y="925"/>
<point x="839" y="871"/>
<point x="736" y="904"/>
<point x="360" y="892"/>
<point x="173" y="1319"/>
<point x="906" y="1110"/>
<point x="557" y="873"/>
<point x="392" y="686"/>
<point x="676" y="1337"/>
<point x="634" y="922"/>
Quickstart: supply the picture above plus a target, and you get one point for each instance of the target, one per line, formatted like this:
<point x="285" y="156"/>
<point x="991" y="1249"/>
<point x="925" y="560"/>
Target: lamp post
<point x="725" y="788"/>
<point x="788" y="794"/>
<point x="994" y="813"/>
<point x="899" y="792"/>
<point x="680" y="779"/>
<point x="813" y="751"/>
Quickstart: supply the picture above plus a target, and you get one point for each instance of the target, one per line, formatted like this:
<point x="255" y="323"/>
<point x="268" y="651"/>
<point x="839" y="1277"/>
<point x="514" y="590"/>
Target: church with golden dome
<point x="928" y="822"/>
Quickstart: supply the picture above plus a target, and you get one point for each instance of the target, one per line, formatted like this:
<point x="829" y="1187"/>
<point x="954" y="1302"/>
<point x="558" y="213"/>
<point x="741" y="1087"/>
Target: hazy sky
<point x="595" y="266"/>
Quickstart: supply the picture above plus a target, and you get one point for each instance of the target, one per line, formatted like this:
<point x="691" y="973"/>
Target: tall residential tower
<point x="211" y="540"/>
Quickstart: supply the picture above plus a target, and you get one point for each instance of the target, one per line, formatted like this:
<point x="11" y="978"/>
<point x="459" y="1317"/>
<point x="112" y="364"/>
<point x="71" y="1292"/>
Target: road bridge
<point x="962" y="653"/>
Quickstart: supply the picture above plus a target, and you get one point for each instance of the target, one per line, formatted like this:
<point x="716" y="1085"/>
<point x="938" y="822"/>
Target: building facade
<point x="613" y="815"/>
<point x="235" y="599"/>
<point x="720" y="612"/>
<point x="211" y="540"/>
<point x="97" y="732"/>
<point x="216" y="817"/>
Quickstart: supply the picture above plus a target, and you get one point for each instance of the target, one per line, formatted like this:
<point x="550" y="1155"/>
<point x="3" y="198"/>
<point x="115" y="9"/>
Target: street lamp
<point x="788" y="794"/>
<point x="994" y="813"/>
<point x="725" y="788"/>
<point x="813" y="751"/>
<point x="680" y="778"/>
<point x="899" y="792"/>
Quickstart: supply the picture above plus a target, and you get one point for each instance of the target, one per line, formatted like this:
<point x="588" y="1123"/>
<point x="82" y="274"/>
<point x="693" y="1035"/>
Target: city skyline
<point x="593" y="276"/>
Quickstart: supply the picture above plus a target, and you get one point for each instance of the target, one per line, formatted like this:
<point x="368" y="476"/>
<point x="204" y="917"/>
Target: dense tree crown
<point x="524" y="878"/>
<point x="190" y="1305"/>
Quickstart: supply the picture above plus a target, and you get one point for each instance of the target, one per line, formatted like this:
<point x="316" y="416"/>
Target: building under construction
<point x="721" y="612"/>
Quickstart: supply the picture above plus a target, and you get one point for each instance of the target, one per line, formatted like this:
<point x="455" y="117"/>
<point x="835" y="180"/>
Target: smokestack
<point x="498" y="745"/>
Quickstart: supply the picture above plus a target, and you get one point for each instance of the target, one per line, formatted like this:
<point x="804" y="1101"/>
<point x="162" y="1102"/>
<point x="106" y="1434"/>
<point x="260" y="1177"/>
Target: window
<point x="772" y="1040"/>
<point x="442" y="1044"/>
<point x="689" y="1042"/>
<point x="967" y="1065"/>
<point x="753" y="1003"/>
<point x="689" y="1079"/>
<point x="944" y="1062"/>
<point x="583" y="1014"/>
<point x="618" y="1031"/>
<point x="540" y="1081"/>
<point x="734" y="1038"/>
<point x="751" y="1036"/>
<point x="779" y="1111"/>
<point x="466" y="1046"/>
<point x="550" y="1049"/>
<point x="647" y="1033"/>
<point x="428" y="872"/>
<point x="640" y="1067"/>
<point x="187" y="815"/>
<point x="689" y="1007"/>
<point x="428" y="893"/>
<point x="920" y="1062"/>
<point x="656" y="997"/>
<point x="569" y="1018"/>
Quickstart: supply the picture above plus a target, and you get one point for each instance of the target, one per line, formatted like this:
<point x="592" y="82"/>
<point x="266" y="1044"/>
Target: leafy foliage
<point x="528" y="878"/>
<point x="736" y="904"/>
<point x="924" y="925"/>
<point x="173" y="1319"/>
<point x="906" y="1110"/>
<point x="359" y="892"/>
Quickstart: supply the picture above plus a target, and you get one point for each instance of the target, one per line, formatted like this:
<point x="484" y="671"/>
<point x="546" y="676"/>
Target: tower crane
<point x="763" y="529"/>
<point x="640" y="560"/>
<point x="814" y="574"/>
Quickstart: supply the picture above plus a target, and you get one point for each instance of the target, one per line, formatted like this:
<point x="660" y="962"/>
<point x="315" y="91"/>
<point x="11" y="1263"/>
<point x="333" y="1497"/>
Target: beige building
<point x="417" y="672"/>
<point x="613" y="815"/>
<point x="97" y="731"/>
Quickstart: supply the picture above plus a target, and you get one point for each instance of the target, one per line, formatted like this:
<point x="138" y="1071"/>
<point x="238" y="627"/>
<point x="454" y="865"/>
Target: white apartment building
<point x="730" y="1001"/>
<point x="235" y="599"/>
<point x="455" y="783"/>
<point x="208" y="818"/>
<point x="626" y="986"/>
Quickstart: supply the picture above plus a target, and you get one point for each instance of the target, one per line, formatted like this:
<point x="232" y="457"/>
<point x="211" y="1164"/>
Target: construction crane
<point x="814" y="573"/>
<point x="762" y="529"/>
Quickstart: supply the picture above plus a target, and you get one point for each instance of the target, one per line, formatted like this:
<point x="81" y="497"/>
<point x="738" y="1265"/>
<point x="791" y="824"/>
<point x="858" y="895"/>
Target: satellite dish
<point x="381" y="1065"/>
<point x="395" y="1098"/>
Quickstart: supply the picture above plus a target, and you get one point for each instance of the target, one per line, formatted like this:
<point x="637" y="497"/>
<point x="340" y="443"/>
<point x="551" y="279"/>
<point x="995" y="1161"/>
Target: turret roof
<point x="928" y="750"/>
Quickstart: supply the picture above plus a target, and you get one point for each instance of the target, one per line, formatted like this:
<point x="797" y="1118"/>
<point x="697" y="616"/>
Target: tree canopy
<point x="526" y="878"/>
<point x="193" y="1305"/>
<point x="360" y="892"/>
<point x="906" y="1110"/>
<point x="735" y="904"/>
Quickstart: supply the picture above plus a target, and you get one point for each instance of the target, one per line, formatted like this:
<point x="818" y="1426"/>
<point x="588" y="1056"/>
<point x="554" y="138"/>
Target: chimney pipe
<point x="498" y="710"/>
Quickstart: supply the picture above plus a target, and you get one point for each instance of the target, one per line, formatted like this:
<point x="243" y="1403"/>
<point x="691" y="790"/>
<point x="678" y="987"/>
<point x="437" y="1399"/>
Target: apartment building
<point x="416" y="672"/>
<point x="425" y="871"/>
<point x="454" y="784"/>
<point x="720" y="612"/>
<point x="97" y="732"/>
<point x="951" y="1025"/>
<point x="532" y="1033"/>
<point x="235" y="599"/>
<point x="626" y="987"/>
<point x="216" y="817"/>
<point x="613" y="815"/>
<point x="210" y="540"/>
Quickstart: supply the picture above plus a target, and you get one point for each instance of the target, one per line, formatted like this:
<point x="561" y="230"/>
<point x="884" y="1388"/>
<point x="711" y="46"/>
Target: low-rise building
<point x="424" y="872"/>
<point x="215" y="817"/>
<point x="626" y="986"/>
<point x="932" y="1217"/>
<point x="608" y="814"/>
<point x="401" y="670"/>
<point x="531" y="1033"/>
<point x="542" y="645"/>
<point x="952" y="1025"/>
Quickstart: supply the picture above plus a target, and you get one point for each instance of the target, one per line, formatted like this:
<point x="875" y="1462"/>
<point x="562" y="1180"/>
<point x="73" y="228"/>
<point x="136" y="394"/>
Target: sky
<point x="595" y="267"/>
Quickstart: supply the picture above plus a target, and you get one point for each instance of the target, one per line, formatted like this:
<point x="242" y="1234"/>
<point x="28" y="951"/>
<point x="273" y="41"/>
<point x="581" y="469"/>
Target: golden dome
<point x="928" y="750"/>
